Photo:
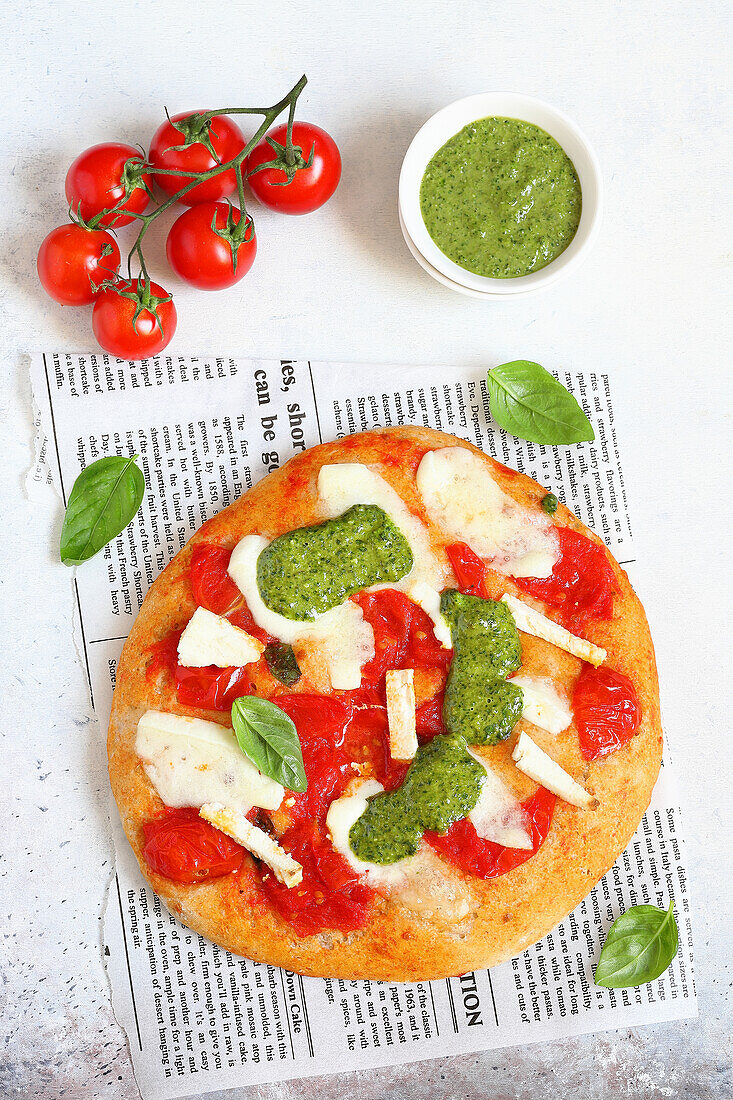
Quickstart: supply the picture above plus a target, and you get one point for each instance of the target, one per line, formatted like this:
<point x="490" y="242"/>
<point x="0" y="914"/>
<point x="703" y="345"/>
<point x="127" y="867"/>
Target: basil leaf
<point x="268" y="737"/>
<point x="640" y="945"/>
<point x="282" y="663"/>
<point x="103" y="500"/>
<point x="529" y="403"/>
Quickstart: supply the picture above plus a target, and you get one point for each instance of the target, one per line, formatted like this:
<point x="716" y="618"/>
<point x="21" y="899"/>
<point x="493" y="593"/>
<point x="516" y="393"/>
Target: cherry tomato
<point x="403" y="634"/>
<point x="330" y="895"/>
<point x="71" y="258"/>
<point x="462" y="845"/>
<point x="310" y="187"/>
<point x="113" y="325"/>
<point x="607" y="711"/>
<point x="203" y="258"/>
<point x="582" y="582"/>
<point x="183" y="847"/>
<point x="226" y="139"/>
<point x="211" y="584"/>
<point x="95" y="182"/>
<point x="470" y="571"/>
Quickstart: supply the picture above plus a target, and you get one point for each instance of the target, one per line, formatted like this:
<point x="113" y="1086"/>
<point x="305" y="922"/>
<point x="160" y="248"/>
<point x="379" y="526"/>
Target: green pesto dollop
<point x="442" y="785"/>
<point x="310" y="570"/>
<point x="480" y="705"/>
<point x="501" y="198"/>
<point x="549" y="504"/>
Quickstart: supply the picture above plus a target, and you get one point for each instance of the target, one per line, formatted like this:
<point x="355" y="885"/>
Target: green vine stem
<point x="203" y="119"/>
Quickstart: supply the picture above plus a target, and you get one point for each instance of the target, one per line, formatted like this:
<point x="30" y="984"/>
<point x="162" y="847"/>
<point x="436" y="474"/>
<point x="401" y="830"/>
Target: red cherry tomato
<point x="330" y="896"/>
<point x="310" y="187"/>
<point x="212" y="586"/>
<point x="71" y="258"/>
<point x="226" y="139"/>
<point x="607" y="711"/>
<point x="208" y="687"/>
<point x="403" y="634"/>
<point x="183" y="847"/>
<point x="112" y="321"/>
<point x="470" y="571"/>
<point x="200" y="256"/>
<point x="95" y="183"/>
<point x="462" y="845"/>
<point x="582" y="583"/>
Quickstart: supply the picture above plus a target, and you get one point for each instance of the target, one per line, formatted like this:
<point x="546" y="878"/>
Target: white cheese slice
<point x="344" y="639"/>
<point x="211" y="640"/>
<point x="464" y="501"/>
<point x="233" y="822"/>
<point x="498" y="815"/>
<point x="342" y="485"/>
<point x="535" y="763"/>
<point x="400" y="685"/>
<point x="543" y="705"/>
<point x="428" y="599"/>
<point x="190" y="761"/>
<point x="534" y="622"/>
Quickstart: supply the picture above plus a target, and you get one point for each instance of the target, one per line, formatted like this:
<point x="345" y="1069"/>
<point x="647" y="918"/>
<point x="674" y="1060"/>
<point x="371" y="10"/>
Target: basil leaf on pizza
<point x="529" y="403"/>
<point x="640" y="945"/>
<point x="282" y="663"/>
<point x="268" y="737"/>
<point x="104" y="498"/>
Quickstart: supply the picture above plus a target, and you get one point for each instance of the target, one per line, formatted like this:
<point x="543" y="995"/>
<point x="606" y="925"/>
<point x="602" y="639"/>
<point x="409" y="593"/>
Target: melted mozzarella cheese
<point x="190" y="761"/>
<point x="542" y="703"/>
<point x="233" y="822"/>
<point x="498" y="815"/>
<point x="342" y="637"/>
<point x="534" y="622"/>
<point x="419" y="882"/>
<point x="211" y="640"/>
<point x="464" y="501"/>
<point x="535" y="763"/>
<point x="429" y="600"/>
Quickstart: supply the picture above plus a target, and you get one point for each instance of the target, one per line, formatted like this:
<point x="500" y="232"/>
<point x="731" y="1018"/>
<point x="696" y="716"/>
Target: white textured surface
<point x="650" y="86"/>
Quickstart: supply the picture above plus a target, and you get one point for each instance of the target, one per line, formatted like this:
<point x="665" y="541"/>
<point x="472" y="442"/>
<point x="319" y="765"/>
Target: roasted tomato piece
<point x="403" y="634"/>
<point x="183" y="847"/>
<point x="212" y="586"/>
<point x="582" y="582"/>
<point x="607" y="711"/>
<point x="321" y="723"/>
<point x="470" y="571"/>
<point x="462" y="845"/>
<point x="209" y="687"/>
<point x="330" y="897"/>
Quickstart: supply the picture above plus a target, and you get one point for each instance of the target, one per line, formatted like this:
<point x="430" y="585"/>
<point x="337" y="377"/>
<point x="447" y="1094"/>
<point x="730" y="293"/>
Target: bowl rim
<point x="448" y="121"/>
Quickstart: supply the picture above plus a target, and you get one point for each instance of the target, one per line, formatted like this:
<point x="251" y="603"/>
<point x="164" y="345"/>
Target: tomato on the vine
<point x="122" y="334"/>
<point x="310" y="185"/>
<point x="73" y="260"/>
<point x="222" y="136"/>
<point x="202" y="242"/>
<point x="101" y="176"/>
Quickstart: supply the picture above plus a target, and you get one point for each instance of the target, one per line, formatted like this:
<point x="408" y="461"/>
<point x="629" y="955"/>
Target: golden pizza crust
<point x="506" y="914"/>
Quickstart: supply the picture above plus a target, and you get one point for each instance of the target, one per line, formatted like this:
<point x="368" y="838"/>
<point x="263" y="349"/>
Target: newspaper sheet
<point x="206" y="429"/>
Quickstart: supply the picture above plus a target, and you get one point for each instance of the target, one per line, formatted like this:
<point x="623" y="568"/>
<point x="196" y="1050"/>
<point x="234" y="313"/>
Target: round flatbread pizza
<point x="389" y="715"/>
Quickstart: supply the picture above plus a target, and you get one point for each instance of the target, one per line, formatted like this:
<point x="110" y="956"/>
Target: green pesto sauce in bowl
<point x="442" y="786"/>
<point x="501" y="198"/>
<point x="306" y="572"/>
<point x="480" y="705"/>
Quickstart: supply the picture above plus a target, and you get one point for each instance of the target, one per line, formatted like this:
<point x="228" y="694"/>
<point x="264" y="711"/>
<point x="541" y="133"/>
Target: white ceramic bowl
<point x="447" y="122"/>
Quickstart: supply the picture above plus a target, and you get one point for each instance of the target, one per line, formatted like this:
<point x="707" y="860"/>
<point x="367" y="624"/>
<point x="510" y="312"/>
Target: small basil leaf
<point x="640" y="945"/>
<point x="268" y="737"/>
<point x="103" y="500"/>
<point x="530" y="404"/>
<point x="282" y="663"/>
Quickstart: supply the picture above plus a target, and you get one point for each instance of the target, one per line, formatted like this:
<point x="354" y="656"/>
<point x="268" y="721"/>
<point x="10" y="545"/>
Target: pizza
<point x="389" y="715"/>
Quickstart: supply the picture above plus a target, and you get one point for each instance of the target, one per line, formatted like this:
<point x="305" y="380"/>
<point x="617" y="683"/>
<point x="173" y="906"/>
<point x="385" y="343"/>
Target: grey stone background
<point x="650" y="85"/>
